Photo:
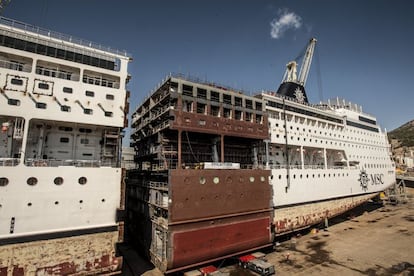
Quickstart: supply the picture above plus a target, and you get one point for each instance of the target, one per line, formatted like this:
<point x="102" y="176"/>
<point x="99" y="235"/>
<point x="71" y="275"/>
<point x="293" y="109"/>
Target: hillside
<point x="402" y="136"/>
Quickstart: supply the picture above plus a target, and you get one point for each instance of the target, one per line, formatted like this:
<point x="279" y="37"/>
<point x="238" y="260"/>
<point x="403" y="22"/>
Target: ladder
<point x="18" y="128"/>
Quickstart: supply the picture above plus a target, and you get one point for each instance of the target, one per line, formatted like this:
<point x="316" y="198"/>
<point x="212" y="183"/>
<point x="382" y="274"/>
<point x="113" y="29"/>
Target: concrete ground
<point x="372" y="240"/>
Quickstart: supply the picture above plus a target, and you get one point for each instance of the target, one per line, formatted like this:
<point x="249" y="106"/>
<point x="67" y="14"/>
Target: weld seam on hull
<point x="220" y="217"/>
<point x="57" y="235"/>
<point x="322" y="200"/>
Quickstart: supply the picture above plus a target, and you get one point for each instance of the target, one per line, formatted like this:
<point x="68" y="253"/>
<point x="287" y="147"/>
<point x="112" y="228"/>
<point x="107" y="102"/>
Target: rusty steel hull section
<point x="292" y="218"/>
<point x="216" y="213"/>
<point x="217" y="125"/>
<point x="90" y="254"/>
<point x="201" y="194"/>
<point x="200" y="244"/>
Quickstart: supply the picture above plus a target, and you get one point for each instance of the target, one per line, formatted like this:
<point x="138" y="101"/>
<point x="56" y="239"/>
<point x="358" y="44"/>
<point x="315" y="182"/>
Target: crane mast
<point x="306" y="63"/>
<point x="293" y="86"/>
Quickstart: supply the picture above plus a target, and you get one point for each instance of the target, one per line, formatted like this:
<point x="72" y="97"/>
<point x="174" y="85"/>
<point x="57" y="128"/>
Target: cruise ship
<point x="63" y="106"/>
<point x="220" y="173"/>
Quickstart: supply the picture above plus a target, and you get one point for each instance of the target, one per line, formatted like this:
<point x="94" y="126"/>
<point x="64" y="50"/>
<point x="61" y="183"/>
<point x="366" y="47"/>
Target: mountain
<point x="402" y="136"/>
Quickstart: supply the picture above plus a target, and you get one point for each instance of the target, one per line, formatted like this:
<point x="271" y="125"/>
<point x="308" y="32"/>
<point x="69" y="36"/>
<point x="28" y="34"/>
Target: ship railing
<point x="157" y="185"/>
<point x="9" y="162"/>
<point x="69" y="162"/>
<point x="55" y="73"/>
<point x="15" y="66"/>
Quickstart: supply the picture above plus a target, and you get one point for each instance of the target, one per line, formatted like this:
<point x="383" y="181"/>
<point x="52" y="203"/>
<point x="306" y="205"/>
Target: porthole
<point x="202" y="180"/>
<point x="103" y="199"/>
<point x="216" y="180"/>
<point x="4" y="181"/>
<point x="262" y="178"/>
<point x="82" y="180"/>
<point x="251" y="178"/>
<point x="56" y="202"/>
<point x="280" y="177"/>
<point x="32" y="181"/>
<point x="229" y="180"/>
<point x="81" y="201"/>
<point x="58" y="180"/>
<point x="29" y="204"/>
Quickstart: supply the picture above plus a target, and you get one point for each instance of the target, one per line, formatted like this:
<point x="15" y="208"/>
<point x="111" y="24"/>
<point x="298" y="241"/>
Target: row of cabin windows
<point x="64" y="108"/>
<point x="40" y="49"/>
<point x="215" y="97"/>
<point x="68" y="90"/>
<point x="69" y="129"/>
<point x="66" y="140"/>
<point x="58" y="71"/>
<point x="88" y="93"/>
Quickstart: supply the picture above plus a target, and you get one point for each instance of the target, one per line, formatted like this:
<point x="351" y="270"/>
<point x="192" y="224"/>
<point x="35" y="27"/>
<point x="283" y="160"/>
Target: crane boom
<point x="306" y="63"/>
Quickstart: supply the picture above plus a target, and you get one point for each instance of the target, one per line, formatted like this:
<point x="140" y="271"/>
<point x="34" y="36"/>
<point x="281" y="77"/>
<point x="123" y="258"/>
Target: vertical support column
<point x="301" y="158"/>
<point x="179" y="149"/>
<point x="267" y="153"/>
<point x="325" y="160"/>
<point x="222" y="148"/>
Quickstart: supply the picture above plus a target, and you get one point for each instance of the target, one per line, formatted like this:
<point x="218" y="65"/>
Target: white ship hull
<point x="63" y="105"/>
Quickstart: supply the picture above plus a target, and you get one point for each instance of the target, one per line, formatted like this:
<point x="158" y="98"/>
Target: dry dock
<point x="373" y="240"/>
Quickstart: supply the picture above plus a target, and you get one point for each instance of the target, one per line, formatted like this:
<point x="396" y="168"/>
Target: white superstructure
<point x="325" y="158"/>
<point x="63" y="105"/>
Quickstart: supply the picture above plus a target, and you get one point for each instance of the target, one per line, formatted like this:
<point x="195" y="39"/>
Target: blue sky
<point x="365" y="48"/>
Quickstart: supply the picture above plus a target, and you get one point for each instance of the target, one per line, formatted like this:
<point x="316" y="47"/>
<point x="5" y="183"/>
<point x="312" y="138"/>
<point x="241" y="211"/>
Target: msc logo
<point x="365" y="179"/>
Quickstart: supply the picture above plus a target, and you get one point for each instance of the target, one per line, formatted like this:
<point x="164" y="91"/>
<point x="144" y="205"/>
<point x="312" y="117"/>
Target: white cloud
<point x="286" y="20"/>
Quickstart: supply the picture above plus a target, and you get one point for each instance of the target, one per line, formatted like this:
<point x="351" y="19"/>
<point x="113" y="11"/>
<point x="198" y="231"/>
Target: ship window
<point x="43" y="85"/>
<point x="90" y="93"/>
<point x="65" y="108"/>
<point x="109" y="97"/>
<point x="201" y="108"/>
<point x="201" y="93"/>
<point x="215" y="110"/>
<point x="31" y="181"/>
<point x="82" y="180"/>
<point x="237" y="101"/>
<point x="202" y="180"/>
<point x="249" y="104"/>
<point x="214" y="96"/>
<point x="41" y="105"/>
<point x="84" y="141"/>
<point x="13" y="102"/>
<point x="237" y="115"/>
<point x="4" y="181"/>
<point x="58" y="180"/>
<point x="248" y="117"/>
<point x="258" y="106"/>
<point x="108" y="114"/>
<point x="216" y="180"/>
<point x="85" y="130"/>
<point x="86" y="154"/>
<point x="16" y="81"/>
<point x="67" y="90"/>
<point x="64" y="139"/>
<point x="63" y="128"/>
<point x="88" y="111"/>
<point x="226" y="113"/>
<point x="187" y="90"/>
<point x="258" y="118"/>
<point x="227" y="99"/>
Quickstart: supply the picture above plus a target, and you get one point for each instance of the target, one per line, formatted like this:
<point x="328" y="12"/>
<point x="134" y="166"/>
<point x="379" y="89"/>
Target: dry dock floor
<point x="371" y="240"/>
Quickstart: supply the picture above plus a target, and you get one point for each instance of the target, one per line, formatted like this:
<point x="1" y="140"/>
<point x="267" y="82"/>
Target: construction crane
<point x="293" y="86"/>
<point x="3" y="5"/>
